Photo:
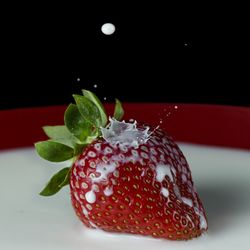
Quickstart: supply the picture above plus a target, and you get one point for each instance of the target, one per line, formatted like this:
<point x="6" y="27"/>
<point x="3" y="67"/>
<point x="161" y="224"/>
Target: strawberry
<point x="124" y="177"/>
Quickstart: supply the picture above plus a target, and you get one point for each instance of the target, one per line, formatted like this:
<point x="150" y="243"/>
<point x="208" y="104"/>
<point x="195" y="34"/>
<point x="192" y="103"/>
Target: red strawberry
<point x="130" y="178"/>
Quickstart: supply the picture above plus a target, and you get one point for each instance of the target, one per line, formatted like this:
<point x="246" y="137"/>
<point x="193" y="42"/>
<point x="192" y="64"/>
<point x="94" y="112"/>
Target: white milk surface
<point x="29" y="221"/>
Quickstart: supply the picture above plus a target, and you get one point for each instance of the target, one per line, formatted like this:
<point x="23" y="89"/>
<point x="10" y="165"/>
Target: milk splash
<point x="125" y="134"/>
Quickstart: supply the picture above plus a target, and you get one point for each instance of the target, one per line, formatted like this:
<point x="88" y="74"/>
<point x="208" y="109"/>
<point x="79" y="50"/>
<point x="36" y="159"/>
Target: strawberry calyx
<point x="82" y="125"/>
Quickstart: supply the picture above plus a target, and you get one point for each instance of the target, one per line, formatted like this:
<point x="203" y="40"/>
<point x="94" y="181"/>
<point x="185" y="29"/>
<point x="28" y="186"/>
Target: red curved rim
<point x="203" y="124"/>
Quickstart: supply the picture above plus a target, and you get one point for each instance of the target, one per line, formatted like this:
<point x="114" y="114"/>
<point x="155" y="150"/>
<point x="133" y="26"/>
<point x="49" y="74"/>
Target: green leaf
<point x="92" y="97"/>
<point x="60" y="134"/>
<point x="59" y="180"/>
<point x="88" y="110"/>
<point x="57" y="132"/>
<point x="54" y="151"/>
<point x="119" y="112"/>
<point x="76" y="124"/>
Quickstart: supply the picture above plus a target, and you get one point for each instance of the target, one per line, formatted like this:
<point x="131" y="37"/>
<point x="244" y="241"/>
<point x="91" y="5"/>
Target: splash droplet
<point x="167" y="112"/>
<point x="108" y="28"/>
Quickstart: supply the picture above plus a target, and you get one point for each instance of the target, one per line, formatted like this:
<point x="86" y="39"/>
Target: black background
<point x="186" y="53"/>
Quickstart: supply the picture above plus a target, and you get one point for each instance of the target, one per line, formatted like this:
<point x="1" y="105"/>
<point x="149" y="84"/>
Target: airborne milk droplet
<point x="108" y="28"/>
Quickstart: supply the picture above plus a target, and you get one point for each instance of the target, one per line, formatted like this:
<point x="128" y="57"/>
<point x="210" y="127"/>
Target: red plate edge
<point x="202" y="124"/>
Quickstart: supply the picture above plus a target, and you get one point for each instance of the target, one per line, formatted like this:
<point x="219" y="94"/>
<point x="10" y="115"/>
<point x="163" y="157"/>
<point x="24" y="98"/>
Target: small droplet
<point x="108" y="28"/>
<point x="105" y="98"/>
<point x="185" y="44"/>
<point x="175" y="107"/>
<point x="161" y="122"/>
<point x="78" y="79"/>
<point x="95" y="86"/>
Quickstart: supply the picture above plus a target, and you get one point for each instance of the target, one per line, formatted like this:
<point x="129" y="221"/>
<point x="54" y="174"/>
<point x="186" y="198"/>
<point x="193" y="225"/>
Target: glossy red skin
<point x="137" y="205"/>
